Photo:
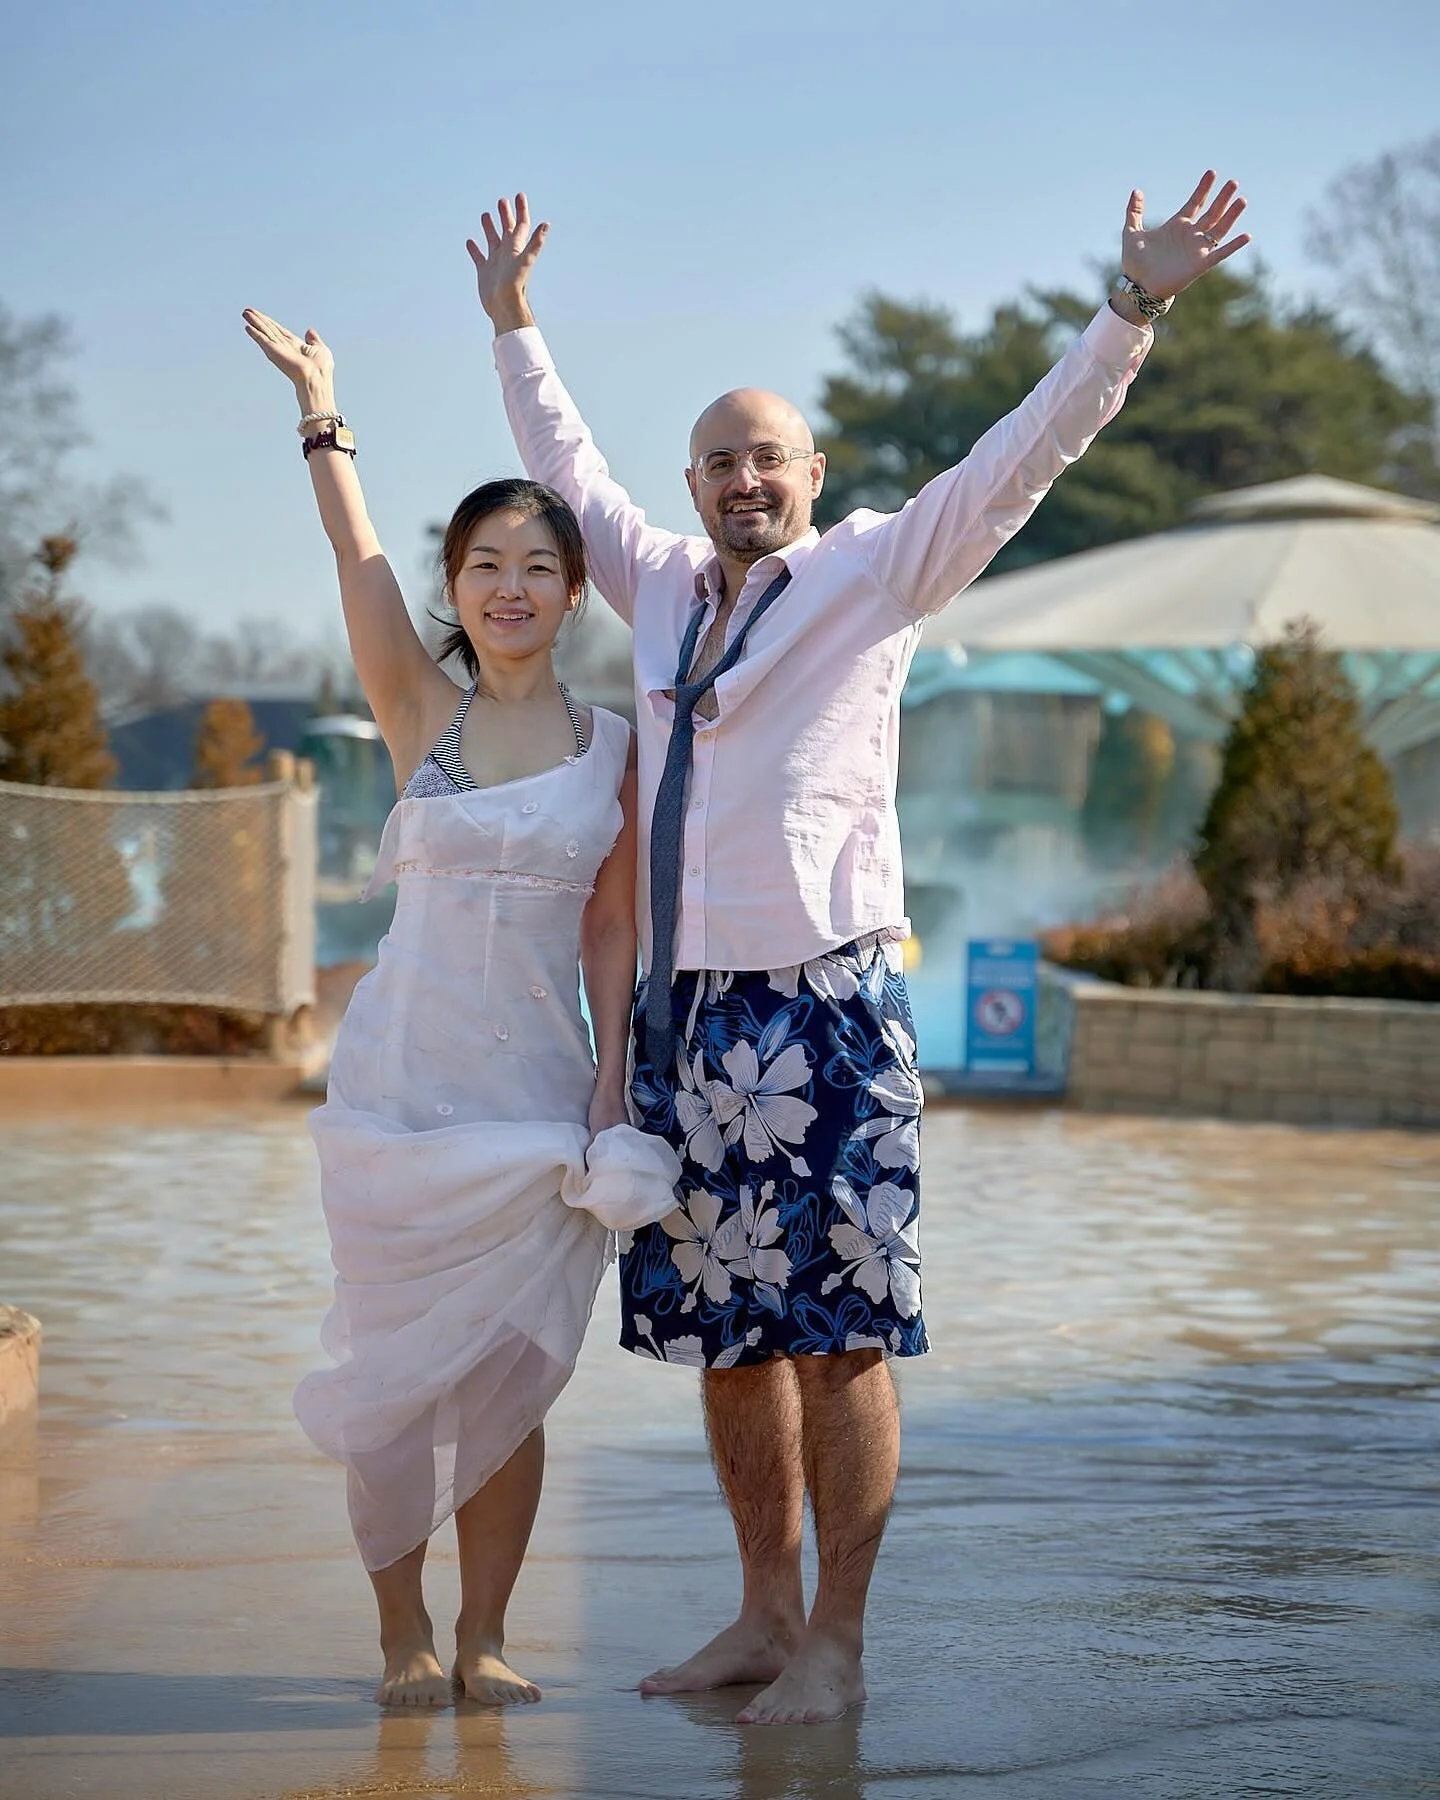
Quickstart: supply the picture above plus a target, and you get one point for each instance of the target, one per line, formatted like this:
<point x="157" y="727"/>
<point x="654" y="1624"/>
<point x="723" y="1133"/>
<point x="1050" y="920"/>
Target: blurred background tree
<point x="1124" y="809"/>
<point x="1302" y="798"/>
<point x="226" y="746"/>
<point x="60" y="891"/>
<point x="1236" y="391"/>
<point x="40" y="434"/>
<point x="1377" y="231"/>
<point x="50" y="730"/>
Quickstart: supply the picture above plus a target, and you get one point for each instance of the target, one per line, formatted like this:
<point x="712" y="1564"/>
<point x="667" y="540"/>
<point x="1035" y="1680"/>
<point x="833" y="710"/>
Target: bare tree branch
<point x="1378" y="231"/>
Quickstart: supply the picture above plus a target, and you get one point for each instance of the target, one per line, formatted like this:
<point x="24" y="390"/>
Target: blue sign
<point x="1000" y="992"/>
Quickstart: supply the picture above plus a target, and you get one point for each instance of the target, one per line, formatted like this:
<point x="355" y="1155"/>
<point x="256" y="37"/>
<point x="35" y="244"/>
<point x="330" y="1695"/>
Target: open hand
<point x="308" y="361"/>
<point x="502" y="268"/>
<point x="1166" y="258"/>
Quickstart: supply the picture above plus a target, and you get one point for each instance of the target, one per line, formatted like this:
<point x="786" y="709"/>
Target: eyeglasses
<point x="716" y="466"/>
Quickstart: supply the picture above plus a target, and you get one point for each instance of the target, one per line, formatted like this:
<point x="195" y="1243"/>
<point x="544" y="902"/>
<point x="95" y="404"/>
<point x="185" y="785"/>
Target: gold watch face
<point x="344" y="438"/>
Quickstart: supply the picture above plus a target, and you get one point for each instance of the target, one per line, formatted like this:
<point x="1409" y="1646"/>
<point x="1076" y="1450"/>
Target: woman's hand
<point x="502" y="268"/>
<point x="607" y="1108"/>
<point x="308" y="361"/>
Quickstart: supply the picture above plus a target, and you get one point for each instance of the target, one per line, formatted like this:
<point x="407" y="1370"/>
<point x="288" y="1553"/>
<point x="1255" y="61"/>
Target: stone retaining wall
<point x="1251" y="1056"/>
<point x="32" y="1086"/>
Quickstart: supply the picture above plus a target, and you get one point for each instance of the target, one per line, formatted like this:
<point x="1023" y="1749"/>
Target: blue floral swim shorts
<point x="794" y="1105"/>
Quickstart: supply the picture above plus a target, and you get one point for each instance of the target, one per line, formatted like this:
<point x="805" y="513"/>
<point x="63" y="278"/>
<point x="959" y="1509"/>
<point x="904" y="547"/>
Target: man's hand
<point x="1166" y="258"/>
<point x="502" y="268"/>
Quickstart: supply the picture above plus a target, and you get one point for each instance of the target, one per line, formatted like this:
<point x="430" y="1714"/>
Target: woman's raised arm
<point x="397" y="673"/>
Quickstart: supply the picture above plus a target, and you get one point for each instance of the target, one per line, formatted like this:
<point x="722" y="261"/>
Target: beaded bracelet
<point x="319" y="418"/>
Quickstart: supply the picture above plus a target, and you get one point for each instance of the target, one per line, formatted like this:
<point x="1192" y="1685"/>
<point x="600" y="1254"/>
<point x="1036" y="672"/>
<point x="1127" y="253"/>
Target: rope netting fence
<point x="194" y="899"/>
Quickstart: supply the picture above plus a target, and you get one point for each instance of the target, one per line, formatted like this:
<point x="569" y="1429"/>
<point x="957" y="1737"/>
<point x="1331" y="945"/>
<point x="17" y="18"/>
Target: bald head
<point x="748" y="416"/>
<point x="750" y="512"/>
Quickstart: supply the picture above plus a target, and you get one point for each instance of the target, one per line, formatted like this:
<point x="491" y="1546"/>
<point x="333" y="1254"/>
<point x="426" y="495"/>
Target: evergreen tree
<point x="63" y="883"/>
<point x="1125" y="797"/>
<point x="226" y="746"/>
<point x="1234" y="393"/>
<point x="1301" y="795"/>
<point x="50" y="730"/>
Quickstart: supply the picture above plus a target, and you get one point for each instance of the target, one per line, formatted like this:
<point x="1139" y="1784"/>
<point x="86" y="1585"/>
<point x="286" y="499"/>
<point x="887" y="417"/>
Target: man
<point x="774" y="1045"/>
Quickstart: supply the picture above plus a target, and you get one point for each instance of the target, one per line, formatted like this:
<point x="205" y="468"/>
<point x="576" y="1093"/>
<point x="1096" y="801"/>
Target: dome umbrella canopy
<point x="1171" y="620"/>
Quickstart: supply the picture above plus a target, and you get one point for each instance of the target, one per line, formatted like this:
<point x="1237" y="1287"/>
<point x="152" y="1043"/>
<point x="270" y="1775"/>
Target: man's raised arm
<point x="554" y="443"/>
<point x="942" y="539"/>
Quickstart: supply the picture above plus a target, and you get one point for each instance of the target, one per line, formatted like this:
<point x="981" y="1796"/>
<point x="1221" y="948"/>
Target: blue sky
<point x="724" y="181"/>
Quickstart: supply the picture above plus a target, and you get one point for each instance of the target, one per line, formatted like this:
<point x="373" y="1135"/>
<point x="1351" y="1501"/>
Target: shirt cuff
<point x="517" y="352"/>
<point x="1114" y="342"/>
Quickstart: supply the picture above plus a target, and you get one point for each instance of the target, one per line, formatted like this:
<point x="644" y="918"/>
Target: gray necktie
<point x="667" y="827"/>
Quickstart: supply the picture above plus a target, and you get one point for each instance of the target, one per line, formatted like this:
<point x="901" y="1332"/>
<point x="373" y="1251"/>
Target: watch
<point x="337" y="438"/>
<point x="1152" y="307"/>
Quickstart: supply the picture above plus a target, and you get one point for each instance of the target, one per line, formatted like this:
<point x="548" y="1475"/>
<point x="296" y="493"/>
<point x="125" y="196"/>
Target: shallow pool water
<point x="1167" y="1521"/>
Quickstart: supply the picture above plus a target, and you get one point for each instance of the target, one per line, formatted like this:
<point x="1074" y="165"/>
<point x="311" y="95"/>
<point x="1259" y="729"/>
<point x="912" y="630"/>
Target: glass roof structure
<point x="1171" y="622"/>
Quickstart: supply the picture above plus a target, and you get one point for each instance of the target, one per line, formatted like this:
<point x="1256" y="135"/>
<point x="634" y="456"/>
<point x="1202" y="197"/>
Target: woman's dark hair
<point x="532" y="500"/>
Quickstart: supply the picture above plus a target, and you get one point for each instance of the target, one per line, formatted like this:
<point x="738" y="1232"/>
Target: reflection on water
<point x="1167" y="1519"/>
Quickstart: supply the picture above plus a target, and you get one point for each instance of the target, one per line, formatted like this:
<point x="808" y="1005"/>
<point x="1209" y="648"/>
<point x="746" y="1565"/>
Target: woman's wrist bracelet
<point x="336" y="438"/>
<point x="319" y="418"/>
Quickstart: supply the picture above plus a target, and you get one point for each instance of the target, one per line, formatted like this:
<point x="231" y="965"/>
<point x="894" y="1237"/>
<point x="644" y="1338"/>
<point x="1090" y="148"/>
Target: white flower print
<point x="900" y="1041"/>
<point x="767" y="1267"/>
<point x="897" y="1129"/>
<point x="699" y="1251"/>
<point x="881" y="1250"/>
<point x="890" y="1342"/>
<point x="689" y="1351"/>
<point x="730" y="1356"/>
<point x="827" y="977"/>
<point x="704" y="1142"/>
<point x="759" y="1106"/>
<point x="831" y="979"/>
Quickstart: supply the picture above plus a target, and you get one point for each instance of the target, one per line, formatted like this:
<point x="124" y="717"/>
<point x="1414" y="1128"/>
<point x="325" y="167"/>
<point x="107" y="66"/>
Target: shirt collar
<point x="793" y="557"/>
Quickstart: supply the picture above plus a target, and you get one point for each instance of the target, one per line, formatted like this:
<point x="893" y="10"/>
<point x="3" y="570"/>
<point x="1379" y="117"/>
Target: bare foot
<point x="486" y="1677"/>
<point x="821" y="1680"/>
<point x="413" y="1677"/>
<point x="744" y="1651"/>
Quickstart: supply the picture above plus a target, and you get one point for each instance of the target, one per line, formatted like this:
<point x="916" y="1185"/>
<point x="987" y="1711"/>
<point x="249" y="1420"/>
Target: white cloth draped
<point x="468" y="1226"/>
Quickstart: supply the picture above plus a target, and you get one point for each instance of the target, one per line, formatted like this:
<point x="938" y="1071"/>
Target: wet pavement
<point x="1168" y="1523"/>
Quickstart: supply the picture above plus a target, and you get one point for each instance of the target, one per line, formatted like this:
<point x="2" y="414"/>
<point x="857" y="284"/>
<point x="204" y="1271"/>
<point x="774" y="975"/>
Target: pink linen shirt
<point x="791" y="841"/>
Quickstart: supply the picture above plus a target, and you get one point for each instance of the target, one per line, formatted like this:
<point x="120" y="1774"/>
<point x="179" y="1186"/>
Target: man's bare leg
<point x="753" y="1419"/>
<point x="493" y="1529"/>
<point x="413" y="1676"/>
<point x="852" y="1455"/>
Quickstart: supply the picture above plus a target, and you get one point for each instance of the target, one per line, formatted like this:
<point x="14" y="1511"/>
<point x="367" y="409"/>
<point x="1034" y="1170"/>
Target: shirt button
<point x="531" y="806"/>
<point x="694" y="868"/>
<point x="444" y="1108"/>
<point x="502" y="1032"/>
<point x="572" y="848"/>
<point x="537" y="993"/>
<point x="697" y="804"/>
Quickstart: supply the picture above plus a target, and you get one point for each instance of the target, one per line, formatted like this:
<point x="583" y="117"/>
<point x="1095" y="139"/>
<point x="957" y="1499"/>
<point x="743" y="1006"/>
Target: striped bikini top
<point x="443" y="771"/>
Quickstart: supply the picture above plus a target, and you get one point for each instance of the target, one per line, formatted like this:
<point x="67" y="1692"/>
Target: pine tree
<point x="1301" y="796"/>
<point x="1125" y="796"/>
<point x="50" y="730"/>
<point x="226" y="746"/>
<point x="63" y="886"/>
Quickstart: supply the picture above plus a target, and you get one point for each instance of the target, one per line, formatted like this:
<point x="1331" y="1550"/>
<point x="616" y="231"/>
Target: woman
<point x="463" y="1102"/>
